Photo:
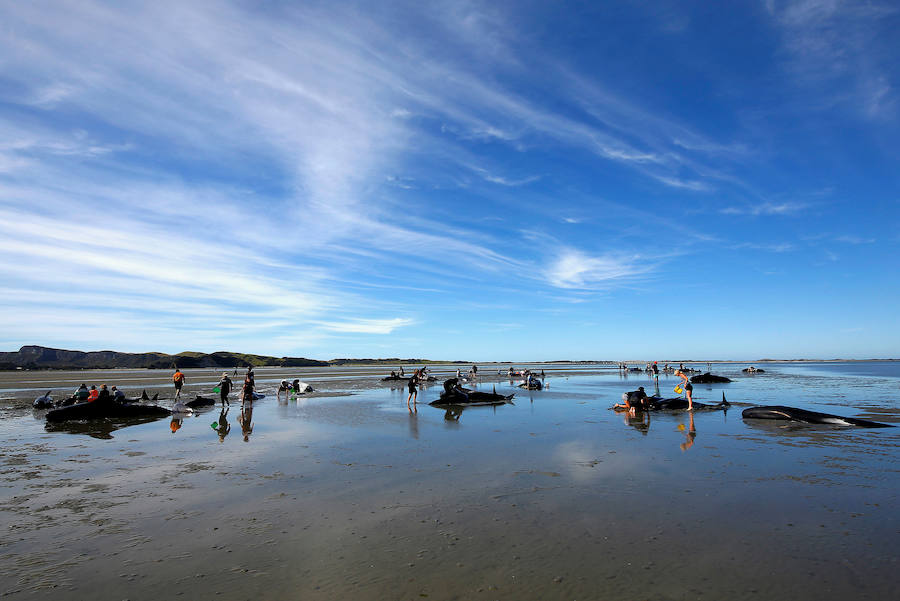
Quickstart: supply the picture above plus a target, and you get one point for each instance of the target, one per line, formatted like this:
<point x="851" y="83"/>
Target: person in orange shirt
<point x="93" y="395"/>
<point x="178" y="379"/>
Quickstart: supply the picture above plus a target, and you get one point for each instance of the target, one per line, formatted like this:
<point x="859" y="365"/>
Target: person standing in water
<point x="413" y="387"/>
<point x="225" y="387"/>
<point x="178" y="380"/>
<point x="688" y="388"/>
<point x="247" y="389"/>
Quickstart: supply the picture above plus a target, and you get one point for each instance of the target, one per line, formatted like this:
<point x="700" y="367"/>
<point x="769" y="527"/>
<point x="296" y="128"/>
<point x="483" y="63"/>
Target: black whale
<point x="781" y="412"/>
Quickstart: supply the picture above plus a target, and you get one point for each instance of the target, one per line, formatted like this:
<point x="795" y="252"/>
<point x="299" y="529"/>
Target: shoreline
<point x="357" y="497"/>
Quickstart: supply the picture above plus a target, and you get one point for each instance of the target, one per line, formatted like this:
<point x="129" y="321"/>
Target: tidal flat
<point x="345" y="494"/>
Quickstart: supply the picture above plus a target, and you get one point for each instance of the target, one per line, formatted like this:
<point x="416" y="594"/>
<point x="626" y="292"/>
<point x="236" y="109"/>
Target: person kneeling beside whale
<point x="634" y="401"/>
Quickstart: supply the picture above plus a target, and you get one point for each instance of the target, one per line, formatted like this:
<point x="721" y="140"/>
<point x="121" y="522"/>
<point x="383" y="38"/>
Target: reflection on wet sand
<point x="519" y="503"/>
<point x="101" y="428"/>
<point x="246" y="420"/>
<point x="222" y="427"/>
<point x="452" y="414"/>
<point x="690" y="435"/>
<point x="414" y="424"/>
<point x="639" y="420"/>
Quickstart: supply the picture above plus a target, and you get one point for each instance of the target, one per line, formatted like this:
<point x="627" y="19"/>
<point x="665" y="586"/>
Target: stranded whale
<point x="781" y="412"/>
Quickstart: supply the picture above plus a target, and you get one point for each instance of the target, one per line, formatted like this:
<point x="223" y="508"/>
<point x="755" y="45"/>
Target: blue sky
<point x="453" y="180"/>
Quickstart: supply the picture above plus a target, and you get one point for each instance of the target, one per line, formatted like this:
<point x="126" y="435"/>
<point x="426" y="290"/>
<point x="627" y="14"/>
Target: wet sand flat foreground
<point x="553" y="497"/>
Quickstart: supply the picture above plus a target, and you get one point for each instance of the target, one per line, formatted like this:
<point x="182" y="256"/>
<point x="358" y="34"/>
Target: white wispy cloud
<point x="854" y="240"/>
<point x="575" y="269"/>
<point x="766" y="208"/>
<point x="228" y="168"/>
<point x="829" y="41"/>
<point x="777" y="247"/>
<point x="368" y="326"/>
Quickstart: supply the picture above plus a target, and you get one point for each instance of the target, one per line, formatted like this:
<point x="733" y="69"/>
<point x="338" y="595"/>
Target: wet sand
<point x="554" y="497"/>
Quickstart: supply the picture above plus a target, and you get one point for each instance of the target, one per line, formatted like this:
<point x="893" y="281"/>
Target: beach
<point x="346" y="494"/>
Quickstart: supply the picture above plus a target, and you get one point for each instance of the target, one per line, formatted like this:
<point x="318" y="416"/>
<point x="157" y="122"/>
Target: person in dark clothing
<point x="450" y="384"/>
<point x="118" y="395"/>
<point x="413" y="387"/>
<point x="225" y="386"/>
<point x="103" y="396"/>
<point x="634" y="401"/>
<point x="247" y="389"/>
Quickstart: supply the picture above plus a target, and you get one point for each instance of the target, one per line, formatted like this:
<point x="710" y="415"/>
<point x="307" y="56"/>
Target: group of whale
<point x="453" y="395"/>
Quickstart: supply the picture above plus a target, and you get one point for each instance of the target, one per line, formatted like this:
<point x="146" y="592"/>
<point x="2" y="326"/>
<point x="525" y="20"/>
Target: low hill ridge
<point x="41" y="357"/>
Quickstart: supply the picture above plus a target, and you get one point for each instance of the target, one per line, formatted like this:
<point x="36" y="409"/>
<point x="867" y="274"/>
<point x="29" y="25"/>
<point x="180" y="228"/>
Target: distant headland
<point x="41" y="357"/>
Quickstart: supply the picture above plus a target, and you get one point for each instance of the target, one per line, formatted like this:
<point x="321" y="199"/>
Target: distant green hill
<point x="40" y="357"/>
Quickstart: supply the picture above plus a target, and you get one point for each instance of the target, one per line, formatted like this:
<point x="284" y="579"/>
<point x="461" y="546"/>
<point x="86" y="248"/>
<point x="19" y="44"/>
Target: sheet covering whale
<point x="794" y="414"/>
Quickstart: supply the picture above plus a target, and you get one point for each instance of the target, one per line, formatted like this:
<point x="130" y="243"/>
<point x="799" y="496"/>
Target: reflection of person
<point x="690" y="436"/>
<point x="414" y="424"/>
<point x="175" y="424"/>
<point x="413" y="387"/>
<point x="688" y="388"/>
<point x="178" y="380"/>
<point x="246" y="421"/>
<point x="452" y="414"/>
<point x="224" y="427"/>
<point x="639" y="421"/>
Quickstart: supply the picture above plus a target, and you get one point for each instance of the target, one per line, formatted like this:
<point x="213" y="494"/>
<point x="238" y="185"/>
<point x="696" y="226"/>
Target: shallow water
<point x="553" y="497"/>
